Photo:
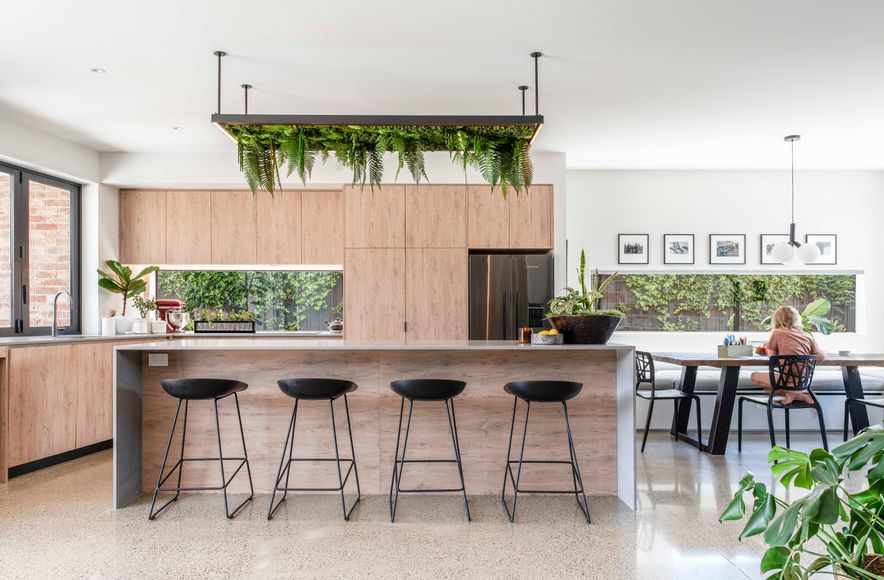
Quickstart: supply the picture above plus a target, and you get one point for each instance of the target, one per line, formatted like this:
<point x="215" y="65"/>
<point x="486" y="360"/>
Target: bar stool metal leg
<point x="452" y="425"/>
<point x="331" y="405"/>
<point x="397" y="470"/>
<point x="575" y="467"/>
<point x="224" y="482"/>
<point x="160" y="478"/>
<point x="509" y="472"/>
<point x="283" y="465"/>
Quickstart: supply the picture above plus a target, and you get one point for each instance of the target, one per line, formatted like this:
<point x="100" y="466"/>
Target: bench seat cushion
<point x="825" y="379"/>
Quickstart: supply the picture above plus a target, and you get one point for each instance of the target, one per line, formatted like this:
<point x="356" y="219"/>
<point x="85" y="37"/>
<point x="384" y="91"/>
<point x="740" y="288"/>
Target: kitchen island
<point x="602" y="415"/>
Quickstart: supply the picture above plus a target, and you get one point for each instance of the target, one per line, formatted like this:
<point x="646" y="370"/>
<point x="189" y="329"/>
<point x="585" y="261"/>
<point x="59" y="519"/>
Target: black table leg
<point x="680" y="421"/>
<point x="853" y="386"/>
<point x="724" y="410"/>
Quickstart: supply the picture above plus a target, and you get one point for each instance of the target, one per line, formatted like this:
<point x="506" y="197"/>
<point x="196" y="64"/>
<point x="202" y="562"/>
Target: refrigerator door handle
<point x="504" y="315"/>
<point x="517" y="307"/>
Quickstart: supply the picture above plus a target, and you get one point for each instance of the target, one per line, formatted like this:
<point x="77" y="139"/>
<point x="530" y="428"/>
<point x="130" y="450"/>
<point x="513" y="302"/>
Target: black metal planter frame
<point x="179" y="465"/>
<point x="399" y="464"/>
<point x="285" y="467"/>
<point x="508" y="476"/>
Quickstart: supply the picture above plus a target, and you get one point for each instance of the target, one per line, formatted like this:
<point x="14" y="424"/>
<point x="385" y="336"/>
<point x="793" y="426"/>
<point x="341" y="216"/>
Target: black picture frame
<point x="738" y="260"/>
<point x="823" y="261"/>
<point x="693" y="249"/>
<point x="762" y="257"/>
<point x="640" y="238"/>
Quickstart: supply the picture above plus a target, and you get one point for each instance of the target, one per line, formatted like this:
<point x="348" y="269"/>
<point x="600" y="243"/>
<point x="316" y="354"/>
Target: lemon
<point x="545" y="332"/>
<point x="553" y="332"/>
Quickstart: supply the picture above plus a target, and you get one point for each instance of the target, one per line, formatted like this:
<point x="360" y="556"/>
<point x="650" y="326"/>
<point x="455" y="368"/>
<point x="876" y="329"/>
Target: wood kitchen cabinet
<point x="322" y="226"/>
<point x="279" y="228"/>
<point x="142" y="226"/>
<point x="234" y="227"/>
<point x="95" y="392"/>
<point x="436" y="216"/>
<point x="531" y="219"/>
<point x="374" y="218"/>
<point x="374" y="293"/>
<point x="42" y="404"/>
<point x="188" y="227"/>
<point x="436" y="293"/>
<point x="488" y="218"/>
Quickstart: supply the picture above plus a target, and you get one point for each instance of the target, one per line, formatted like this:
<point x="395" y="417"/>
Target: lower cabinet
<point x="374" y="293"/>
<point x="60" y="398"/>
<point x="436" y="293"/>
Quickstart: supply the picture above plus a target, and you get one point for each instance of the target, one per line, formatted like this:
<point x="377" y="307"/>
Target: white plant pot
<point x="124" y="324"/>
<point x="108" y="326"/>
<point x="141" y="326"/>
<point x="158" y="326"/>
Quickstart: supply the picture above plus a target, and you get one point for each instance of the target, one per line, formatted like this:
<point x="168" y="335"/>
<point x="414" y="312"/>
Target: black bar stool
<point x="186" y="390"/>
<point x="316" y="390"/>
<point x="426" y="390"/>
<point x="542" y="392"/>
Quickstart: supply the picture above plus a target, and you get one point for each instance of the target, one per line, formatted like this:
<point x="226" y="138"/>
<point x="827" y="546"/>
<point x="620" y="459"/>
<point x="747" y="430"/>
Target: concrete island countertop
<point x="193" y="343"/>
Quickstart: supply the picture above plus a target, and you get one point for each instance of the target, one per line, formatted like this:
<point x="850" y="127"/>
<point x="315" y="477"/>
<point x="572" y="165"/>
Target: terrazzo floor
<point x="57" y="523"/>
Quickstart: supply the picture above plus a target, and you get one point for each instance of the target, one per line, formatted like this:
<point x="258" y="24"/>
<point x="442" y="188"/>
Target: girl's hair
<point x="787" y="317"/>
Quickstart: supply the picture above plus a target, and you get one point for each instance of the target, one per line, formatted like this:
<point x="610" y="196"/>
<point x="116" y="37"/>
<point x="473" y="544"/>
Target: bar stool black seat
<point x="190" y="389"/>
<point x="316" y="390"/>
<point x="542" y="392"/>
<point x="426" y="390"/>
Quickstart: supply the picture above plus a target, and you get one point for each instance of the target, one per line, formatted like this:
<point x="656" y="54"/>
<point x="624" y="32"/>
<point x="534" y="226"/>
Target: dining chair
<point x="791" y="372"/>
<point x="879" y="403"/>
<point x="645" y="374"/>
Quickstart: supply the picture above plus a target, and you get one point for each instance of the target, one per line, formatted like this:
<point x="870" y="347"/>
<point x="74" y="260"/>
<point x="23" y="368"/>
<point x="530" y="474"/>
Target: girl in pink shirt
<point x="788" y="337"/>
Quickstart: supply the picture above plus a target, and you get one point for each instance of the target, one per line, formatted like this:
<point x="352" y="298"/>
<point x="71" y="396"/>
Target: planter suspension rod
<point x="219" y="54"/>
<point x="246" y="90"/>
<point x="536" y="56"/>
<point x="523" y="88"/>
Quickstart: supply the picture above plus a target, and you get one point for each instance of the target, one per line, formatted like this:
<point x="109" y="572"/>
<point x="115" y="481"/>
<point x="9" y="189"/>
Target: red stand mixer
<point x="166" y="305"/>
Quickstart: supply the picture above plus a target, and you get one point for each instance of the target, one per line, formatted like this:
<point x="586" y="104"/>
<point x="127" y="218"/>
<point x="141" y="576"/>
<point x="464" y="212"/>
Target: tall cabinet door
<point x="436" y="289"/>
<point x="374" y="293"/>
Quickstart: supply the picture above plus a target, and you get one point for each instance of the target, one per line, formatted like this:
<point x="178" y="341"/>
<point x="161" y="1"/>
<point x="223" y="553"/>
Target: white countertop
<point x="340" y="344"/>
<point x="164" y="338"/>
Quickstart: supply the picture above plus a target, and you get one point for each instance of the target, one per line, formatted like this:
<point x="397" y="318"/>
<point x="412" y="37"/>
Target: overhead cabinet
<point x="188" y="227"/>
<point x="322" y="227"/>
<point x="521" y="222"/>
<point x="278" y="231"/>
<point x="142" y="226"/>
<point x="436" y="216"/>
<point x="374" y="217"/>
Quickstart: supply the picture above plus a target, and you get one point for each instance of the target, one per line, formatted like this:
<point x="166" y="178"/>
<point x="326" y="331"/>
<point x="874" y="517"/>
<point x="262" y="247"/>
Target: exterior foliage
<point x="275" y="300"/>
<point x="827" y="527"/>
<point x="502" y="155"/>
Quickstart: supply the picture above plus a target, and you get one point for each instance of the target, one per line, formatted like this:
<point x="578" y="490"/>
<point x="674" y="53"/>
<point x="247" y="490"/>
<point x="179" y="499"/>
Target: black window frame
<point x="19" y="250"/>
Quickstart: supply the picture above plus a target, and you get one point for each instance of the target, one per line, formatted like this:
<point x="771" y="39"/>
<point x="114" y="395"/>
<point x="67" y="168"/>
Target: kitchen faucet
<point x="55" y="311"/>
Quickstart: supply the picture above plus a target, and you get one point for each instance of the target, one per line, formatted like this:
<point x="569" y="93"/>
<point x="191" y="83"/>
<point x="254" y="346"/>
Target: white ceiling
<point x="625" y="84"/>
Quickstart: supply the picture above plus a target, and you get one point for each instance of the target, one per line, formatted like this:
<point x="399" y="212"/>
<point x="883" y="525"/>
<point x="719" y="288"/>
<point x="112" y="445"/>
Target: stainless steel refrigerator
<point x="507" y="292"/>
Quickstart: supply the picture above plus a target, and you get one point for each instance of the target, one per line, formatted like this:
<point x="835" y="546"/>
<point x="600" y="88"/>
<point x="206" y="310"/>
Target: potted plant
<point x="121" y="281"/>
<point x="144" y="306"/>
<point x="838" y="529"/>
<point x="576" y="315"/>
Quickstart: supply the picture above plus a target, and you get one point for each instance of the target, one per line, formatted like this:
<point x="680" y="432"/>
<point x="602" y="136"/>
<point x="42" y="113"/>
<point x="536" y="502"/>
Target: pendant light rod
<point x="536" y="56"/>
<point x="790" y="139"/>
<point x="220" y="54"/>
<point x="523" y="88"/>
<point x="246" y="94"/>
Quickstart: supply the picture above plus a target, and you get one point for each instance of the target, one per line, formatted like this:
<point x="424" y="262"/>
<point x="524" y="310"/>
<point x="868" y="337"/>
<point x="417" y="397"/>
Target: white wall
<point x="602" y="204"/>
<point x="27" y="147"/>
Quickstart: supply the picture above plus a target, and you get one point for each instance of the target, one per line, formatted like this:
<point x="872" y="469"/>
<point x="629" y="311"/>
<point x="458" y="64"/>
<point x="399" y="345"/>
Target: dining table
<point x="729" y="381"/>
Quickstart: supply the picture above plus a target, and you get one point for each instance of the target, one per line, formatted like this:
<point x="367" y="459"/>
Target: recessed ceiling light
<point x="177" y="128"/>
<point x="98" y="70"/>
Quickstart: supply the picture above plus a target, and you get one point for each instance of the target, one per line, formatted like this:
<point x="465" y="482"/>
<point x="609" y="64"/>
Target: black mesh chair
<point x="879" y="403"/>
<point x="187" y="390"/>
<point x="539" y="392"/>
<point x="792" y="372"/>
<point x="316" y="390"/>
<point x="645" y="374"/>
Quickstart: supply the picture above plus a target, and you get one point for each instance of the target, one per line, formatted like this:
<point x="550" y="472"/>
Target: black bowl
<point x="586" y="328"/>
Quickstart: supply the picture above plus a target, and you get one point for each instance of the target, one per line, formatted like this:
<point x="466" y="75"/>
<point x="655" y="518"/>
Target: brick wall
<point x="49" y="251"/>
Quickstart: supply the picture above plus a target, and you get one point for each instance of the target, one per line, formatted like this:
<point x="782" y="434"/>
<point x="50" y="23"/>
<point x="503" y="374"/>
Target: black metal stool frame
<point x="285" y="467"/>
<point x="179" y="465"/>
<point x="399" y="464"/>
<point x="578" y="490"/>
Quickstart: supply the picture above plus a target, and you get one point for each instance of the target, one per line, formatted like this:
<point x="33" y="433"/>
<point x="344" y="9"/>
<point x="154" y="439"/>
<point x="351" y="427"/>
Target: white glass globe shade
<point x="809" y="253"/>
<point x="783" y="253"/>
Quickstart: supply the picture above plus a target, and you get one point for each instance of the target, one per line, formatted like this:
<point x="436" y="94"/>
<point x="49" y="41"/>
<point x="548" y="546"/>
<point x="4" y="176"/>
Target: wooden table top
<point x="708" y="359"/>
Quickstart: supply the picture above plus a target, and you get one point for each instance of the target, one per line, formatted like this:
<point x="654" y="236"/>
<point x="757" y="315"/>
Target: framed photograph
<point x="678" y="248"/>
<point x="828" y="245"/>
<point x="727" y="248"/>
<point x="768" y="241"/>
<point x="633" y="248"/>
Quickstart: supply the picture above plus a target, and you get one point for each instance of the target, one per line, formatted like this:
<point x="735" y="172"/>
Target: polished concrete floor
<point x="58" y="523"/>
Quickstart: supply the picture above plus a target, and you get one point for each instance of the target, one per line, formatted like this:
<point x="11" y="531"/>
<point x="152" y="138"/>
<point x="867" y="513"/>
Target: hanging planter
<point x="500" y="154"/>
<point x="498" y="147"/>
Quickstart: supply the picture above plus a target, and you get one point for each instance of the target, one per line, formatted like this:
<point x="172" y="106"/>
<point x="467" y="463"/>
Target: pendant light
<point x="793" y="252"/>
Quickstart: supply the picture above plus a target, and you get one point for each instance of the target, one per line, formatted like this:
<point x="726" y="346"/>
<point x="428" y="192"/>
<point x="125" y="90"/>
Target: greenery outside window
<point x="724" y="302"/>
<point x="275" y="300"/>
